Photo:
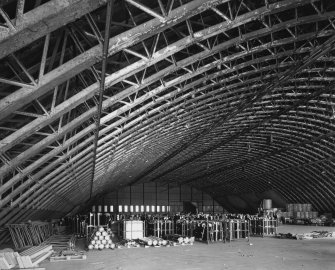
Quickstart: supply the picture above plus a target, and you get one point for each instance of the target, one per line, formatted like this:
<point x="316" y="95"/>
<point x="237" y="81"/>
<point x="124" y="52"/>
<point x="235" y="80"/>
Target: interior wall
<point x="154" y="195"/>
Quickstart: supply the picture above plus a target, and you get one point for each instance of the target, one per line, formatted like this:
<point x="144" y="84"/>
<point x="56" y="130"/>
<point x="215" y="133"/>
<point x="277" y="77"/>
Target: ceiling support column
<point x="102" y="87"/>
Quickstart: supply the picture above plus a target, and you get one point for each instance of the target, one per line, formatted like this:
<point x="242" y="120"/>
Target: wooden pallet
<point x="27" y="262"/>
<point x="61" y="242"/>
<point x="32" y="268"/>
<point x="34" y="252"/>
<point x="8" y="260"/>
<point x="28" y="259"/>
<point x="67" y="258"/>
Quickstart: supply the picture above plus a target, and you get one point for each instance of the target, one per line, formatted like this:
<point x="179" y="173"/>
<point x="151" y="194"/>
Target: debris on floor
<point x="67" y="255"/>
<point x="307" y="236"/>
<point x="315" y="234"/>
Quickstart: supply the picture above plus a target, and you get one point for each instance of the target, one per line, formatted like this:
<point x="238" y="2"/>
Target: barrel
<point x="295" y="207"/>
<point x="267" y="204"/>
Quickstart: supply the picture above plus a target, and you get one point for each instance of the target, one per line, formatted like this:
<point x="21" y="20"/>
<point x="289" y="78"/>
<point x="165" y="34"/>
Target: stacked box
<point x="295" y="207"/>
<point x="297" y="214"/>
<point x="132" y="229"/>
<point x="289" y="207"/>
<point x="300" y="211"/>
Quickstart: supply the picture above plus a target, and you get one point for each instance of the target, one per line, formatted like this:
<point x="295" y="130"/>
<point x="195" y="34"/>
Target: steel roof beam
<point x="73" y="67"/>
<point x="42" y="20"/>
<point x="20" y="134"/>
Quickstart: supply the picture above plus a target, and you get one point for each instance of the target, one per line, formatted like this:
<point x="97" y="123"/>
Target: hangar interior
<point x="222" y="103"/>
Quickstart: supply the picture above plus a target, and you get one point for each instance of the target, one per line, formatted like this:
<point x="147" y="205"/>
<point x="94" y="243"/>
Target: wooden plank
<point x="19" y="261"/>
<point x="10" y="258"/>
<point x="30" y="268"/>
<point x="36" y="251"/>
<point x="26" y="261"/>
<point x="4" y="264"/>
<point x="68" y="258"/>
<point x="41" y="258"/>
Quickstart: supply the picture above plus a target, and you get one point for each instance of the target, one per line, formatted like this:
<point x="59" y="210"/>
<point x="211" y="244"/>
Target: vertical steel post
<point x="102" y="86"/>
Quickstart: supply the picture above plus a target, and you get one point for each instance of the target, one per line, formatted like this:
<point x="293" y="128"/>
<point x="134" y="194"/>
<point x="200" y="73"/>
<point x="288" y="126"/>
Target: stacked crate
<point x="208" y="230"/>
<point x="263" y="227"/>
<point x="184" y="227"/>
<point x="167" y="227"/>
<point x="300" y="211"/>
<point x="237" y="229"/>
<point x="160" y="228"/>
<point x="131" y="229"/>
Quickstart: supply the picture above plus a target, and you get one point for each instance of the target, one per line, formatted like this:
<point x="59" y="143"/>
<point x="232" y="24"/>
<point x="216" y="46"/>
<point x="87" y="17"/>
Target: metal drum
<point x="267" y="204"/>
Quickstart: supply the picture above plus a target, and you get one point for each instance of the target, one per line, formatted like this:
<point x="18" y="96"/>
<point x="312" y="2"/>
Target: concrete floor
<point x="259" y="254"/>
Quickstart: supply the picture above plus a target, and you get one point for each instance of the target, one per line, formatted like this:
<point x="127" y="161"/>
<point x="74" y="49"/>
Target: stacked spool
<point x="102" y="240"/>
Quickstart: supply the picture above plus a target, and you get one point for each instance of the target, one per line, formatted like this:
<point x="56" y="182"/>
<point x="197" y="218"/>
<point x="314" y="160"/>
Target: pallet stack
<point x="27" y="259"/>
<point x="8" y="260"/>
<point x="33" y="256"/>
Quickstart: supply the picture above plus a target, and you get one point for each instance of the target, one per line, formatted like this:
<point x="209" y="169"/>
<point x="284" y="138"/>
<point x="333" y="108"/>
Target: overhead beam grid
<point x="233" y="96"/>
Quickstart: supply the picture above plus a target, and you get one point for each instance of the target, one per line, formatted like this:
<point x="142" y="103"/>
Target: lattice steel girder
<point x="89" y="92"/>
<point x="19" y="135"/>
<point x="288" y="130"/>
<point x="105" y="137"/>
<point x="71" y="68"/>
<point x="67" y="144"/>
<point x="256" y="159"/>
<point x="52" y="184"/>
<point x="42" y="20"/>
<point x="316" y="53"/>
<point x="159" y="100"/>
<point x="284" y="165"/>
<point x="44" y="171"/>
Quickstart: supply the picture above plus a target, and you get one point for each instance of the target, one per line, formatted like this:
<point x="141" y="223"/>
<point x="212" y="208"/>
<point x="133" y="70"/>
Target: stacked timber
<point x="29" y="258"/>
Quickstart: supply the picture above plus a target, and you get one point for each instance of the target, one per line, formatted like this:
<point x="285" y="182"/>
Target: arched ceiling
<point x="231" y="97"/>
